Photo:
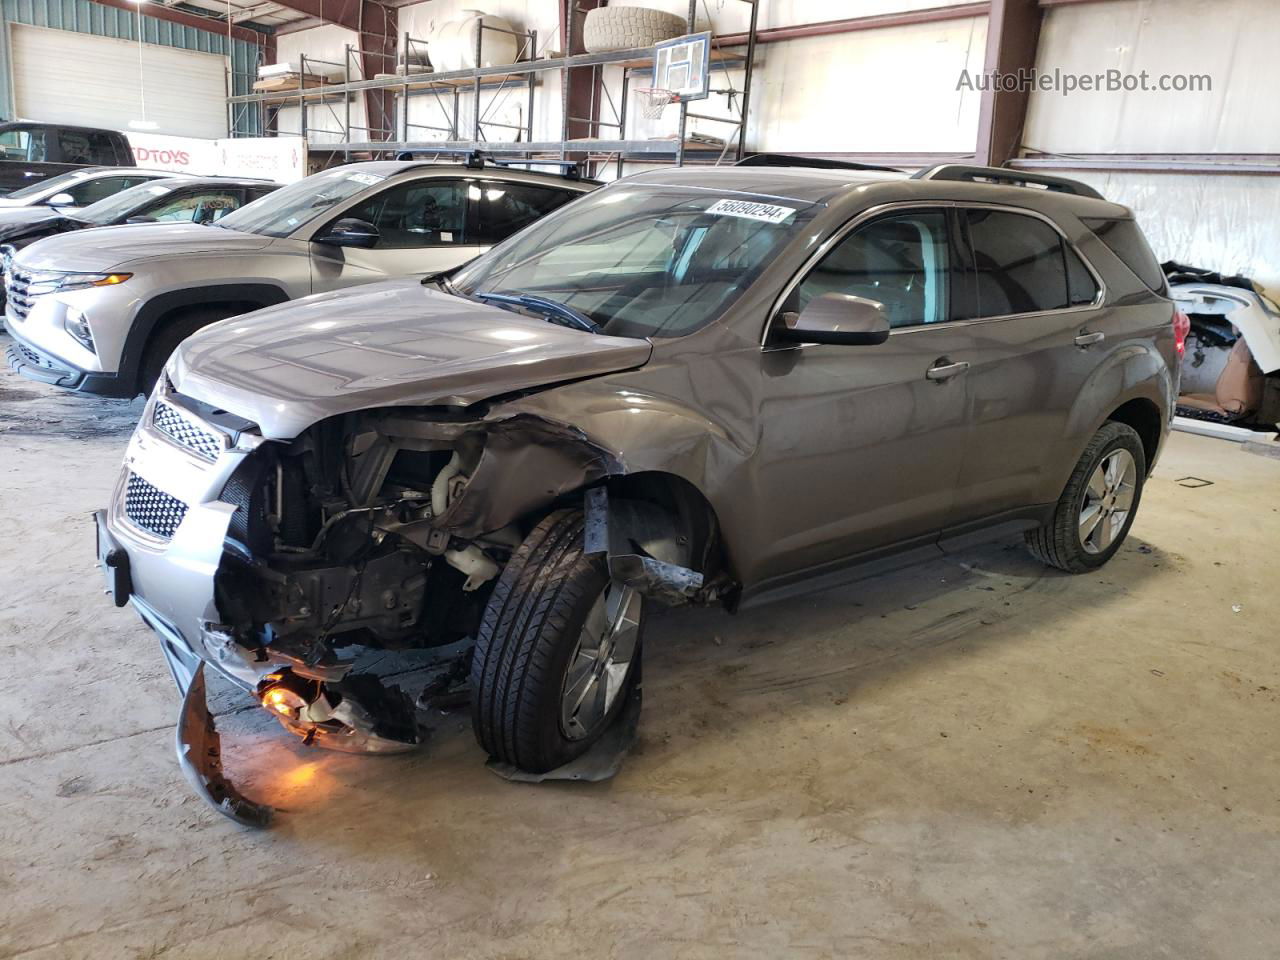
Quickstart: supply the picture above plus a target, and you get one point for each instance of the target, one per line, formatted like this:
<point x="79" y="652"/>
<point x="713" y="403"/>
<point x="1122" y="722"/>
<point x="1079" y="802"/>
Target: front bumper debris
<point x="200" y="756"/>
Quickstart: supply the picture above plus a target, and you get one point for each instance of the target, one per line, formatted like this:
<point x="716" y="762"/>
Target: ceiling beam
<point x="211" y="24"/>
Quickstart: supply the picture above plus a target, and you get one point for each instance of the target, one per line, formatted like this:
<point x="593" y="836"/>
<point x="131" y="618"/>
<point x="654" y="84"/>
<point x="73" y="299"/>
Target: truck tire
<point x="170" y="332"/>
<point x="623" y="28"/>
<point x="553" y="622"/>
<point x="1097" y="507"/>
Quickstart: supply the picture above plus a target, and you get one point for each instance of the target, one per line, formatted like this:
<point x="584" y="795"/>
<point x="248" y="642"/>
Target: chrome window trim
<point x="936" y="205"/>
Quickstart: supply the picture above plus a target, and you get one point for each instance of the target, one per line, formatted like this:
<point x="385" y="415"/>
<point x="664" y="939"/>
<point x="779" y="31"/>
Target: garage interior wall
<point x="86" y="17"/>
<point x="102" y="81"/>
<point x="1229" y="223"/>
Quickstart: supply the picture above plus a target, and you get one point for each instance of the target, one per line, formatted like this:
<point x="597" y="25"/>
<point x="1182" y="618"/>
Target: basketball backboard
<point x="683" y="66"/>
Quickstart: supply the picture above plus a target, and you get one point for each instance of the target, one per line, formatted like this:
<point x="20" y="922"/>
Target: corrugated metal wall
<point x="83" y="16"/>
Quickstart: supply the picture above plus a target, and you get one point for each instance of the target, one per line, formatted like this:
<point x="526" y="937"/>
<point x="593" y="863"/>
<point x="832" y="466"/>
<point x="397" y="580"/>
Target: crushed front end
<point x="275" y="562"/>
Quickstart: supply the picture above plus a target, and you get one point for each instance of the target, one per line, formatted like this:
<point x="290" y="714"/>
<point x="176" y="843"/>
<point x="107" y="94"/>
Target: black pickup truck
<point x="30" y="152"/>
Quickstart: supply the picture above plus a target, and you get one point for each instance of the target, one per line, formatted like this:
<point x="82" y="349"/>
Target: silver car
<point x="101" y="311"/>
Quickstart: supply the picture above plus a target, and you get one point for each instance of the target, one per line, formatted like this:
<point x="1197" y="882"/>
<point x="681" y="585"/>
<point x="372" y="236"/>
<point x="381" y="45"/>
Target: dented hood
<point x="396" y="343"/>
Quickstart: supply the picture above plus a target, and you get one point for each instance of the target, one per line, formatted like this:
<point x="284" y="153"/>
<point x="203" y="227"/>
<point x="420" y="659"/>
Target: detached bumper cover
<point x="200" y="756"/>
<point x="34" y="364"/>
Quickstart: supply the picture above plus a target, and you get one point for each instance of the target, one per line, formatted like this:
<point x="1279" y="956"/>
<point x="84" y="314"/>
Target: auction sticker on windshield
<point x="768" y="212"/>
<point x="368" y="179"/>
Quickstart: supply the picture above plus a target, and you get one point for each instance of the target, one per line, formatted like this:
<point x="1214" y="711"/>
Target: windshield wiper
<point x="576" y="319"/>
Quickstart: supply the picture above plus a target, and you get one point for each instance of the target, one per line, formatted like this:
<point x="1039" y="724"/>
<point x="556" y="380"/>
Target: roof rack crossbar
<point x="1006" y="177"/>
<point x="822" y="163"/>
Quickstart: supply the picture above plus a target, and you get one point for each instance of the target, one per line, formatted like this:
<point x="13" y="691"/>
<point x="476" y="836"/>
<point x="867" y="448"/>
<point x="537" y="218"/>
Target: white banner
<point x="154" y="151"/>
<point x="281" y="159"/>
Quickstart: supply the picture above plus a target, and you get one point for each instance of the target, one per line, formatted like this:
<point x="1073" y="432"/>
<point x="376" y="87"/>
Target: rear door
<point x="424" y="226"/>
<point x="1036" y="332"/>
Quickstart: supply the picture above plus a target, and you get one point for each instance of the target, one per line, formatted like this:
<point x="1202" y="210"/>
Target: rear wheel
<point x="1097" y="507"/>
<point x="168" y="334"/>
<point x="555" y="651"/>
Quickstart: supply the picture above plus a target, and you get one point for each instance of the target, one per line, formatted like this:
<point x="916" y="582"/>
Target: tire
<point x="534" y="630"/>
<point x="168" y="334"/>
<point x="1068" y="541"/>
<point x="622" y="28"/>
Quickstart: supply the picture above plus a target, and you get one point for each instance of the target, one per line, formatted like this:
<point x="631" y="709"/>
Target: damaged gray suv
<point x="691" y="386"/>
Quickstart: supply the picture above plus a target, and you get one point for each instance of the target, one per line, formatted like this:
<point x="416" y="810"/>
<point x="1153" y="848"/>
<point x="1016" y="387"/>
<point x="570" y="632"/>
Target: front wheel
<point x="555" y="651"/>
<point x="1097" y="507"/>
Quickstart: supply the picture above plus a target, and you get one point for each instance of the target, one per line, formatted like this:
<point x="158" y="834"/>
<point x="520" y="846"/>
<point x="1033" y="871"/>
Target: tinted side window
<point x="901" y="261"/>
<point x="74" y="147"/>
<point x="508" y="207"/>
<point x="1127" y="242"/>
<point x="1019" y="262"/>
<point x="1082" y="289"/>
<point x="37" y="148"/>
<point x="91" y="191"/>
<point x="421" y="213"/>
<point x="102" y="148"/>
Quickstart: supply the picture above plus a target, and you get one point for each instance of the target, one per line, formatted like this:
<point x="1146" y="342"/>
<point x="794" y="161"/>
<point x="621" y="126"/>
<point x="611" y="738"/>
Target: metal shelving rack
<point x="467" y="135"/>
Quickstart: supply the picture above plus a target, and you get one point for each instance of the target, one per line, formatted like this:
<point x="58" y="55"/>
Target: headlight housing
<point x="51" y="282"/>
<point x="77" y="324"/>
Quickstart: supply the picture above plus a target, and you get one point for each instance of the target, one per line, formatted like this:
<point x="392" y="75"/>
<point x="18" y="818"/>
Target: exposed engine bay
<point x="361" y="532"/>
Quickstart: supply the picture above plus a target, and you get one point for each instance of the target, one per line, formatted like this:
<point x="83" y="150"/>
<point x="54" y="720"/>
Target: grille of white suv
<point x="203" y="443"/>
<point x="151" y="509"/>
<point x="18" y="293"/>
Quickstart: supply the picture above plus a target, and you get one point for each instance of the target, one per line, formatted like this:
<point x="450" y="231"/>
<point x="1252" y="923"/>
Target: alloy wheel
<point x="1107" y="501"/>
<point x="600" y="663"/>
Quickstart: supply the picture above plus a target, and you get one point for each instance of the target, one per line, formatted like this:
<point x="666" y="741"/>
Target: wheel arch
<point x="159" y="309"/>
<point x="1142" y="414"/>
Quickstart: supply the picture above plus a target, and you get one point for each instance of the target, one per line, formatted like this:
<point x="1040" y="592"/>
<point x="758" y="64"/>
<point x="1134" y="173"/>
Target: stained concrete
<point x="978" y="758"/>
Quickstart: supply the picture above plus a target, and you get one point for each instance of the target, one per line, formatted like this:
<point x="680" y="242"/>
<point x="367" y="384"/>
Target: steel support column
<point x="581" y="97"/>
<point x="379" y="36"/>
<point x="1013" y="32"/>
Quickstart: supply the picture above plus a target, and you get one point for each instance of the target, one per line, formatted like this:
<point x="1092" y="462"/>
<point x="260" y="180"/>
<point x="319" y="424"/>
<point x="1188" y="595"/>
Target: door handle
<point x="944" y="369"/>
<point x="1089" y="339"/>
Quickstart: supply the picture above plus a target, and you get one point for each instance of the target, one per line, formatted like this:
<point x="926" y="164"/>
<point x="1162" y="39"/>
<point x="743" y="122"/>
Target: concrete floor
<point x="976" y="758"/>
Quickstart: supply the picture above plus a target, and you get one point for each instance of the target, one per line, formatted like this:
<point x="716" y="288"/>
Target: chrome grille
<point x="201" y="442"/>
<point x="18" y="292"/>
<point x="151" y="509"/>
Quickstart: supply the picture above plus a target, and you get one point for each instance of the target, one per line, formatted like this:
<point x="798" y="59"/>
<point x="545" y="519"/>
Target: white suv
<point x="100" y="311"/>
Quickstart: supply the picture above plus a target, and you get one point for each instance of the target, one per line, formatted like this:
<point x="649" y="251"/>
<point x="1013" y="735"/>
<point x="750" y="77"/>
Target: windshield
<point x="280" y="213"/>
<point x="120" y="206"/>
<point x="50" y="185"/>
<point x="642" y="261"/>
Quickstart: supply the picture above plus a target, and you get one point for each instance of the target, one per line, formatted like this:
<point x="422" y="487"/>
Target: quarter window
<point x="1023" y="266"/>
<point x="901" y="261"/>
<point x="421" y="213"/>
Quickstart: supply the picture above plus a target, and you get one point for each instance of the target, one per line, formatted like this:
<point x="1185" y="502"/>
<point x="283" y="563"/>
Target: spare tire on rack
<point x="623" y="28"/>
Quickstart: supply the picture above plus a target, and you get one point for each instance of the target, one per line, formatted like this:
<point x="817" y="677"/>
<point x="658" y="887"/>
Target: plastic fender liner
<point x="643" y="547"/>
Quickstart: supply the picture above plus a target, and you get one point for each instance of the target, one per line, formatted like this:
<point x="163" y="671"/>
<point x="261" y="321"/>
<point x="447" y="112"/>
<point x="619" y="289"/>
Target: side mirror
<point x="349" y="232"/>
<point x="835" y="318"/>
<point x="61" y="200"/>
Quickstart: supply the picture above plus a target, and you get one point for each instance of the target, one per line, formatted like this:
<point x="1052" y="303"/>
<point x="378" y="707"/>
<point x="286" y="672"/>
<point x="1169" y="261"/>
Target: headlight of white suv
<point x="51" y="282"/>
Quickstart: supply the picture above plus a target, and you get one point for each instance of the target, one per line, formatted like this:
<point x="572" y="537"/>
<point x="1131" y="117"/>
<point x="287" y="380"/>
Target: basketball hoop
<point x="651" y="101"/>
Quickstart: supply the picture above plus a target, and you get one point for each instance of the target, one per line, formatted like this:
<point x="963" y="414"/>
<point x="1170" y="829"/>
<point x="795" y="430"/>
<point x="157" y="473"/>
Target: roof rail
<point x="822" y="163"/>
<point x="1006" y="177"/>
<point x="477" y="160"/>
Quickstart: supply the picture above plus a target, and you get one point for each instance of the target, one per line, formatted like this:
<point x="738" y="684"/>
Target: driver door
<point x="423" y="226"/>
<point x="861" y="446"/>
